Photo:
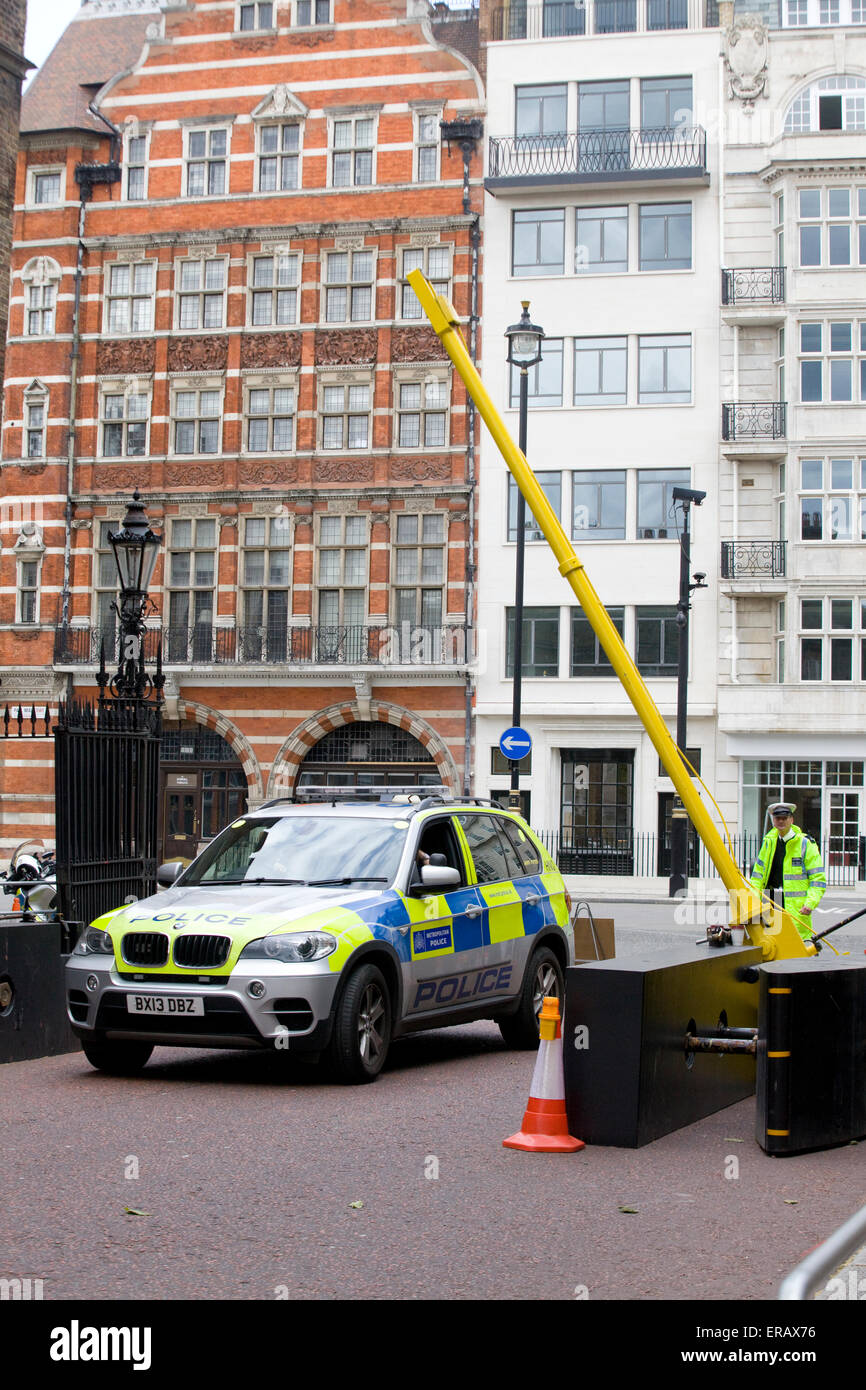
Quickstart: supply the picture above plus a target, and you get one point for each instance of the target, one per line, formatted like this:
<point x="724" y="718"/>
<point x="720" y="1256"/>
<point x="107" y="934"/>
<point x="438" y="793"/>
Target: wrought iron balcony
<point x="754" y="420"/>
<point x="594" y="156"/>
<point x="204" y="645"/>
<point x="557" y="20"/>
<point x="753" y="559"/>
<point x="754" y="285"/>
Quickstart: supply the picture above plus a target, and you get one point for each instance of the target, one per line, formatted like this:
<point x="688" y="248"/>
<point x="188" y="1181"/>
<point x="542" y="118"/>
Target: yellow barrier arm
<point x="782" y="940"/>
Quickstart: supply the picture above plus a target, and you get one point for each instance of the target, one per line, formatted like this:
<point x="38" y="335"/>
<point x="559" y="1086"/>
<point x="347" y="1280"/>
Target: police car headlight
<point x="93" y="942"/>
<point x="293" y="948"/>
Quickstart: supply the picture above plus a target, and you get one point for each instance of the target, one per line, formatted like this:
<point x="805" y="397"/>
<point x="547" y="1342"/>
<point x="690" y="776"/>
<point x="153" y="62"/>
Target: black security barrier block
<point x="628" y="1076"/>
<point x="811" y="1081"/>
<point x="33" y="1021"/>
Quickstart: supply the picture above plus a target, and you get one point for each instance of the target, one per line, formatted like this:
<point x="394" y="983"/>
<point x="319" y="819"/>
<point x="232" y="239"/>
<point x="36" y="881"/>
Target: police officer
<point x="789" y="862"/>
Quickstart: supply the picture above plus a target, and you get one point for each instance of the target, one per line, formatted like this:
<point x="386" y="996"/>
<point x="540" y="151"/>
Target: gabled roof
<point x="99" y="43"/>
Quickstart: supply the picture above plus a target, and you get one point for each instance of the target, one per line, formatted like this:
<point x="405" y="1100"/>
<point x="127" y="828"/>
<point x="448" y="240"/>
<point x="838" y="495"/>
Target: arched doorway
<point x="367" y="753"/>
<point x="202" y="788"/>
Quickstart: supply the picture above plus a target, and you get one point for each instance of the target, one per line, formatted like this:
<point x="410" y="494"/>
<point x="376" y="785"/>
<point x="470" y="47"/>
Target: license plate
<point x="166" y="1005"/>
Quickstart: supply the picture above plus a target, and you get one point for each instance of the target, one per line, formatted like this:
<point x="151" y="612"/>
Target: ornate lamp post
<point x="136" y="548"/>
<point x="524" y="351"/>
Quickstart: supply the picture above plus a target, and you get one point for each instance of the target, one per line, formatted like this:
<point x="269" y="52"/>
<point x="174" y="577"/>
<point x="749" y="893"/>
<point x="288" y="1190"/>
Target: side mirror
<point x="439" y="876"/>
<point x="168" y="874"/>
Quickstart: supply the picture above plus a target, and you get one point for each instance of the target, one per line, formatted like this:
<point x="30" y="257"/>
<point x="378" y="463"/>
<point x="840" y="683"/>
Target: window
<point x="191" y="585"/>
<point x="833" y="499"/>
<point x="832" y="639"/>
<point x="353" y="142"/>
<point x="279" y="156"/>
<point x="41" y="279"/>
<point x="588" y="657"/>
<point x="601" y="240"/>
<point x="266" y="577"/>
<point x="541" y="111"/>
<point x="435" y="261"/>
<point x="270" y="422"/>
<point x="598" y="498"/>
<point x="603" y="124"/>
<point x="201" y="294"/>
<point x="832" y="226"/>
<point x="422" y="414"/>
<point x="551" y="486"/>
<point x="832" y="362"/>
<point x="665" y="369"/>
<point x="196" y="421"/>
<point x="206" y="163"/>
<point x="46" y="186"/>
<point x="274" y="294"/>
<point x="666" y="236"/>
<point x="135" y="169"/>
<point x="540" y="653"/>
<point x="799" y="13"/>
<point x="419" y="569"/>
<point x="780" y="643"/>
<point x="35" y="422"/>
<point x="314" y="11"/>
<point x="123" y="426"/>
<point x="105" y="583"/>
<point x="538" y="242"/>
<point x="426" y="169"/>
<point x="129" y="298"/>
<point x="655" y="514"/>
<point x="657" y="641"/>
<point x="342" y="565"/>
<point x="615" y="16"/>
<point x="259" y="15"/>
<point x="349" y="286"/>
<point x="833" y="103"/>
<point x="665" y="103"/>
<point x="600" y="371"/>
<point x="545" y="378"/>
<point x="28" y="591"/>
<point x="345" y="410"/>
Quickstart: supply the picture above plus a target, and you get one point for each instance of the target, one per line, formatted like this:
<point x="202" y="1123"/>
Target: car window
<point x="486" y="848"/>
<point x="439" y="837"/>
<point x="300" y="849"/>
<point x="530" y="859"/>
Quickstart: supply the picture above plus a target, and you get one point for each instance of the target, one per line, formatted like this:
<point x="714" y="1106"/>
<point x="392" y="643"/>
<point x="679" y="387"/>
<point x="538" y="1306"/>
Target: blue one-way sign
<point x="515" y="743"/>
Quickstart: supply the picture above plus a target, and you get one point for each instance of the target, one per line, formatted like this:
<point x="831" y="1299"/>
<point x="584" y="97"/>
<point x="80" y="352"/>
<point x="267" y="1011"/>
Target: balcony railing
<point x="599" y="153"/>
<point x="402" y="644"/>
<point x="753" y="559"/>
<point x="558" y="20"/>
<point x="755" y="285"/>
<point x="754" y="420"/>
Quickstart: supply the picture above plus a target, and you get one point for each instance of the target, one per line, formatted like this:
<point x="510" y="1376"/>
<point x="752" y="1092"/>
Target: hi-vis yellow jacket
<point x="804" y="880"/>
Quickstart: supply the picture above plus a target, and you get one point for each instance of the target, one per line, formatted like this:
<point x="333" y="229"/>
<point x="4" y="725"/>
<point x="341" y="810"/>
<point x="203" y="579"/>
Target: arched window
<point x="833" y="103"/>
<point x="41" y="277"/>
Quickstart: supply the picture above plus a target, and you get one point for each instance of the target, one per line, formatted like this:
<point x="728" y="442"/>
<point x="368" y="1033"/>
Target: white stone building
<point x="677" y="194"/>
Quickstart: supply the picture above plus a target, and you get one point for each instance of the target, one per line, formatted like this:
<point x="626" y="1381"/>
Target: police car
<point x="330" y="928"/>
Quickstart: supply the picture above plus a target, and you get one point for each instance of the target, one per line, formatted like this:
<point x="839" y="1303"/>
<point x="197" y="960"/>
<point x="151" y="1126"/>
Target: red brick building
<point x="216" y="210"/>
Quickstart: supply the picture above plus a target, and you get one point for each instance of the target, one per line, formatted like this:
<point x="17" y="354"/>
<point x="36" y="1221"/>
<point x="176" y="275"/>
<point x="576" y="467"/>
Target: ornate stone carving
<point x="416" y="345"/>
<point x="194" y="475"/>
<point x="421" y="470"/>
<point x="265" y="473"/>
<point x="198" y="354"/>
<point x="348" y="346"/>
<point x="281" y="102"/>
<point x="116" y="479"/>
<point x="124" y="356"/>
<point x="271" y="350"/>
<point x="746" y="49"/>
<point x="344" y="470"/>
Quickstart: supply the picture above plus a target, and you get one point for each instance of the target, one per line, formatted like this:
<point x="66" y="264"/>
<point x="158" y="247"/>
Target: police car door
<point x="445" y="941"/>
<point x="503" y="925"/>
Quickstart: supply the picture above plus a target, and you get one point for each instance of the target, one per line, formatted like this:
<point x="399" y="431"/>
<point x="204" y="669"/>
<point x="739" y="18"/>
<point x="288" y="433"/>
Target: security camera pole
<point x="683" y="497"/>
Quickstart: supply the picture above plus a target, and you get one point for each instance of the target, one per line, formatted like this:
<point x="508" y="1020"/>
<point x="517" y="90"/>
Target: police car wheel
<point x="543" y="978"/>
<point x="362" y="1027"/>
<point x="118" y="1058"/>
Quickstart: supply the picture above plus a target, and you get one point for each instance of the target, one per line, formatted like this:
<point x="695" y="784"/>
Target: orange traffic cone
<point x="545" y="1126"/>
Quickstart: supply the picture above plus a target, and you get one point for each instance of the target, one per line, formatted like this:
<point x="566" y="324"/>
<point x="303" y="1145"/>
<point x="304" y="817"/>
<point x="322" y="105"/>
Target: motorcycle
<point x="31" y="881"/>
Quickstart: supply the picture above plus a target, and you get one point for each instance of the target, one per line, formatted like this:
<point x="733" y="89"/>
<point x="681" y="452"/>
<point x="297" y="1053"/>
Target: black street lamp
<point x="683" y="497"/>
<point x="524" y="351"/>
<point x="136" y="548"/>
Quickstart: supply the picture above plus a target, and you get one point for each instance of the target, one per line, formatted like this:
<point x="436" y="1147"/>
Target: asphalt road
<point x="257" y="1178"/>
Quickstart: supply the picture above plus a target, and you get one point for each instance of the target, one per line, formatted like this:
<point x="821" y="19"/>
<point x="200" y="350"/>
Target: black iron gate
<point x="106" y="764"/>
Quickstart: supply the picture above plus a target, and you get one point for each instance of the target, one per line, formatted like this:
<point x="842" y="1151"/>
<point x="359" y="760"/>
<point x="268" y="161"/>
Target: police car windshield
<point x="302" y="849"/>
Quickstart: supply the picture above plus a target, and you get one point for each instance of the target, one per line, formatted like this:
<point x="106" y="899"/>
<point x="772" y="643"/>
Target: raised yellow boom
<point x="781" y="940"/>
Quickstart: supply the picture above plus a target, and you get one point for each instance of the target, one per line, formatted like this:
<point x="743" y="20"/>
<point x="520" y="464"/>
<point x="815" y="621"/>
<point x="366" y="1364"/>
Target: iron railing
<point x="754" y="420"/>
<point x="326" y="645"/>
<point x="22" y="723"/>
<point x="753" y="559"/>
<point x="557" y="20"/>
<point x="763" y="284"/>
<point x="599" y="152"/>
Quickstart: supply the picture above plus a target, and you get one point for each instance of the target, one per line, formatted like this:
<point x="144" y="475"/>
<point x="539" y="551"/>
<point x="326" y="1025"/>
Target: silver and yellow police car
<point x="330" y="928"/>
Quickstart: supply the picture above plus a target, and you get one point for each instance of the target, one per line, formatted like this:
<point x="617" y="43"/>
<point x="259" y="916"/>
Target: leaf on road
<point x="733" y="1141"/>
<point x="792" y="1201"/>
<point x="356" y="1206"/>
<point x="136" y="1211"/>
<point x="632" y="1211"/>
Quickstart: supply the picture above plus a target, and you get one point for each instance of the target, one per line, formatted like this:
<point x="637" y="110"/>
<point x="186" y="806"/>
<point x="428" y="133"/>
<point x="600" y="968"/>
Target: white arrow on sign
<point x="509" y="744"/>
